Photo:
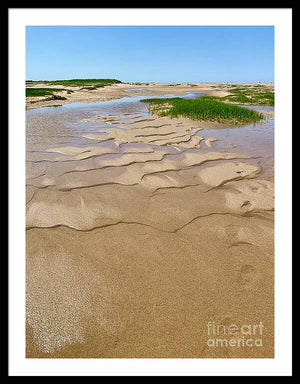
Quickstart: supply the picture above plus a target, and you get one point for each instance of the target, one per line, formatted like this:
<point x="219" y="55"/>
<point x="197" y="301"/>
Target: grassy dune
<point x="203" y="108"/>
<point x="33" y="92"/>
<point x="85" y="84"/>
<point x="245" y="97"/>
<point x="251" y="95"/>
<point x="96" y="83"/>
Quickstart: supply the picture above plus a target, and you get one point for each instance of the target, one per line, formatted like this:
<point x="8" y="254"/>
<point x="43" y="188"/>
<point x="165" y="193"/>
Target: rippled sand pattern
<point x="141" y="230"/>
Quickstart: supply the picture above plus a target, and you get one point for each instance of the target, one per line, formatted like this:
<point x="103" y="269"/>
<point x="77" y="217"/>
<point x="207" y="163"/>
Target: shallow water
<point x="137" y="90"/>
<point x="49" y="127"/>
<point x="129" y="246"/>
<point x="256" y="140"/>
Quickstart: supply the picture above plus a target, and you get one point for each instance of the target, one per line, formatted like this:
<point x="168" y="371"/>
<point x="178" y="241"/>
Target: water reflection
<point x="50" y="127"/>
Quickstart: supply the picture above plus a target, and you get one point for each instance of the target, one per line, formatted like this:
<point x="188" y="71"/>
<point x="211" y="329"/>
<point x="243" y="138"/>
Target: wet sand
<point x="117" y="91"/>
<point x="142" y="230"/>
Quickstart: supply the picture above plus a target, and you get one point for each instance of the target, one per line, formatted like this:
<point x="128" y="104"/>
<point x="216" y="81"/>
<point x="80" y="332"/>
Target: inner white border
<point x="281" y="364"/>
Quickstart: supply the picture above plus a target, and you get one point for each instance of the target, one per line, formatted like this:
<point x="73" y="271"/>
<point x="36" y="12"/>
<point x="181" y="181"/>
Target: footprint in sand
<point x="246" y="205"/>
<point x="247" y="276"/>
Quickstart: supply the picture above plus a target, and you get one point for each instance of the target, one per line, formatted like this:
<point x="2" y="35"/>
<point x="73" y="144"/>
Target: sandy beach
<point x="116" y="91"/>
<point x="142" y="230"/>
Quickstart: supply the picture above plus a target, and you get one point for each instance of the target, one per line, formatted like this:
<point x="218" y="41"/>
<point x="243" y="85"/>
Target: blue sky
<point x="154" y="54"/>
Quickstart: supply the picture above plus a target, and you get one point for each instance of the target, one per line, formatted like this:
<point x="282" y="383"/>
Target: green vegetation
<point x="257" y="94"/>
<point x="79" y="82"/>
<point x="57" y="97"/>
<point x="174" y="85"/>
<point x="138" y="83"/>
<point x="88" y="84"/>
<point x="91" y="88"/>
<point x="33" y="92"/>
<point x="203" y="108"/>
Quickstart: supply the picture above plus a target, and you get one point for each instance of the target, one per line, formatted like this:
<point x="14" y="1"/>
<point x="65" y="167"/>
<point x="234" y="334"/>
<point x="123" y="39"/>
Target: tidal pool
<point x="48" y="127"/>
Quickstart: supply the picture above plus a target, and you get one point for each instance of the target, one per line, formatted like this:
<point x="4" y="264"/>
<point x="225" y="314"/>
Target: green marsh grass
<point x="79" y="82"/>
<point x="257" y="94"/>
<point x="203" y="108"/>
<point x="33" y="92"/>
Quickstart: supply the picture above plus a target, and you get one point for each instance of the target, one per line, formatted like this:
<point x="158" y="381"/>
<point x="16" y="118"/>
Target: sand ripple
<point x="136" y="241"/>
